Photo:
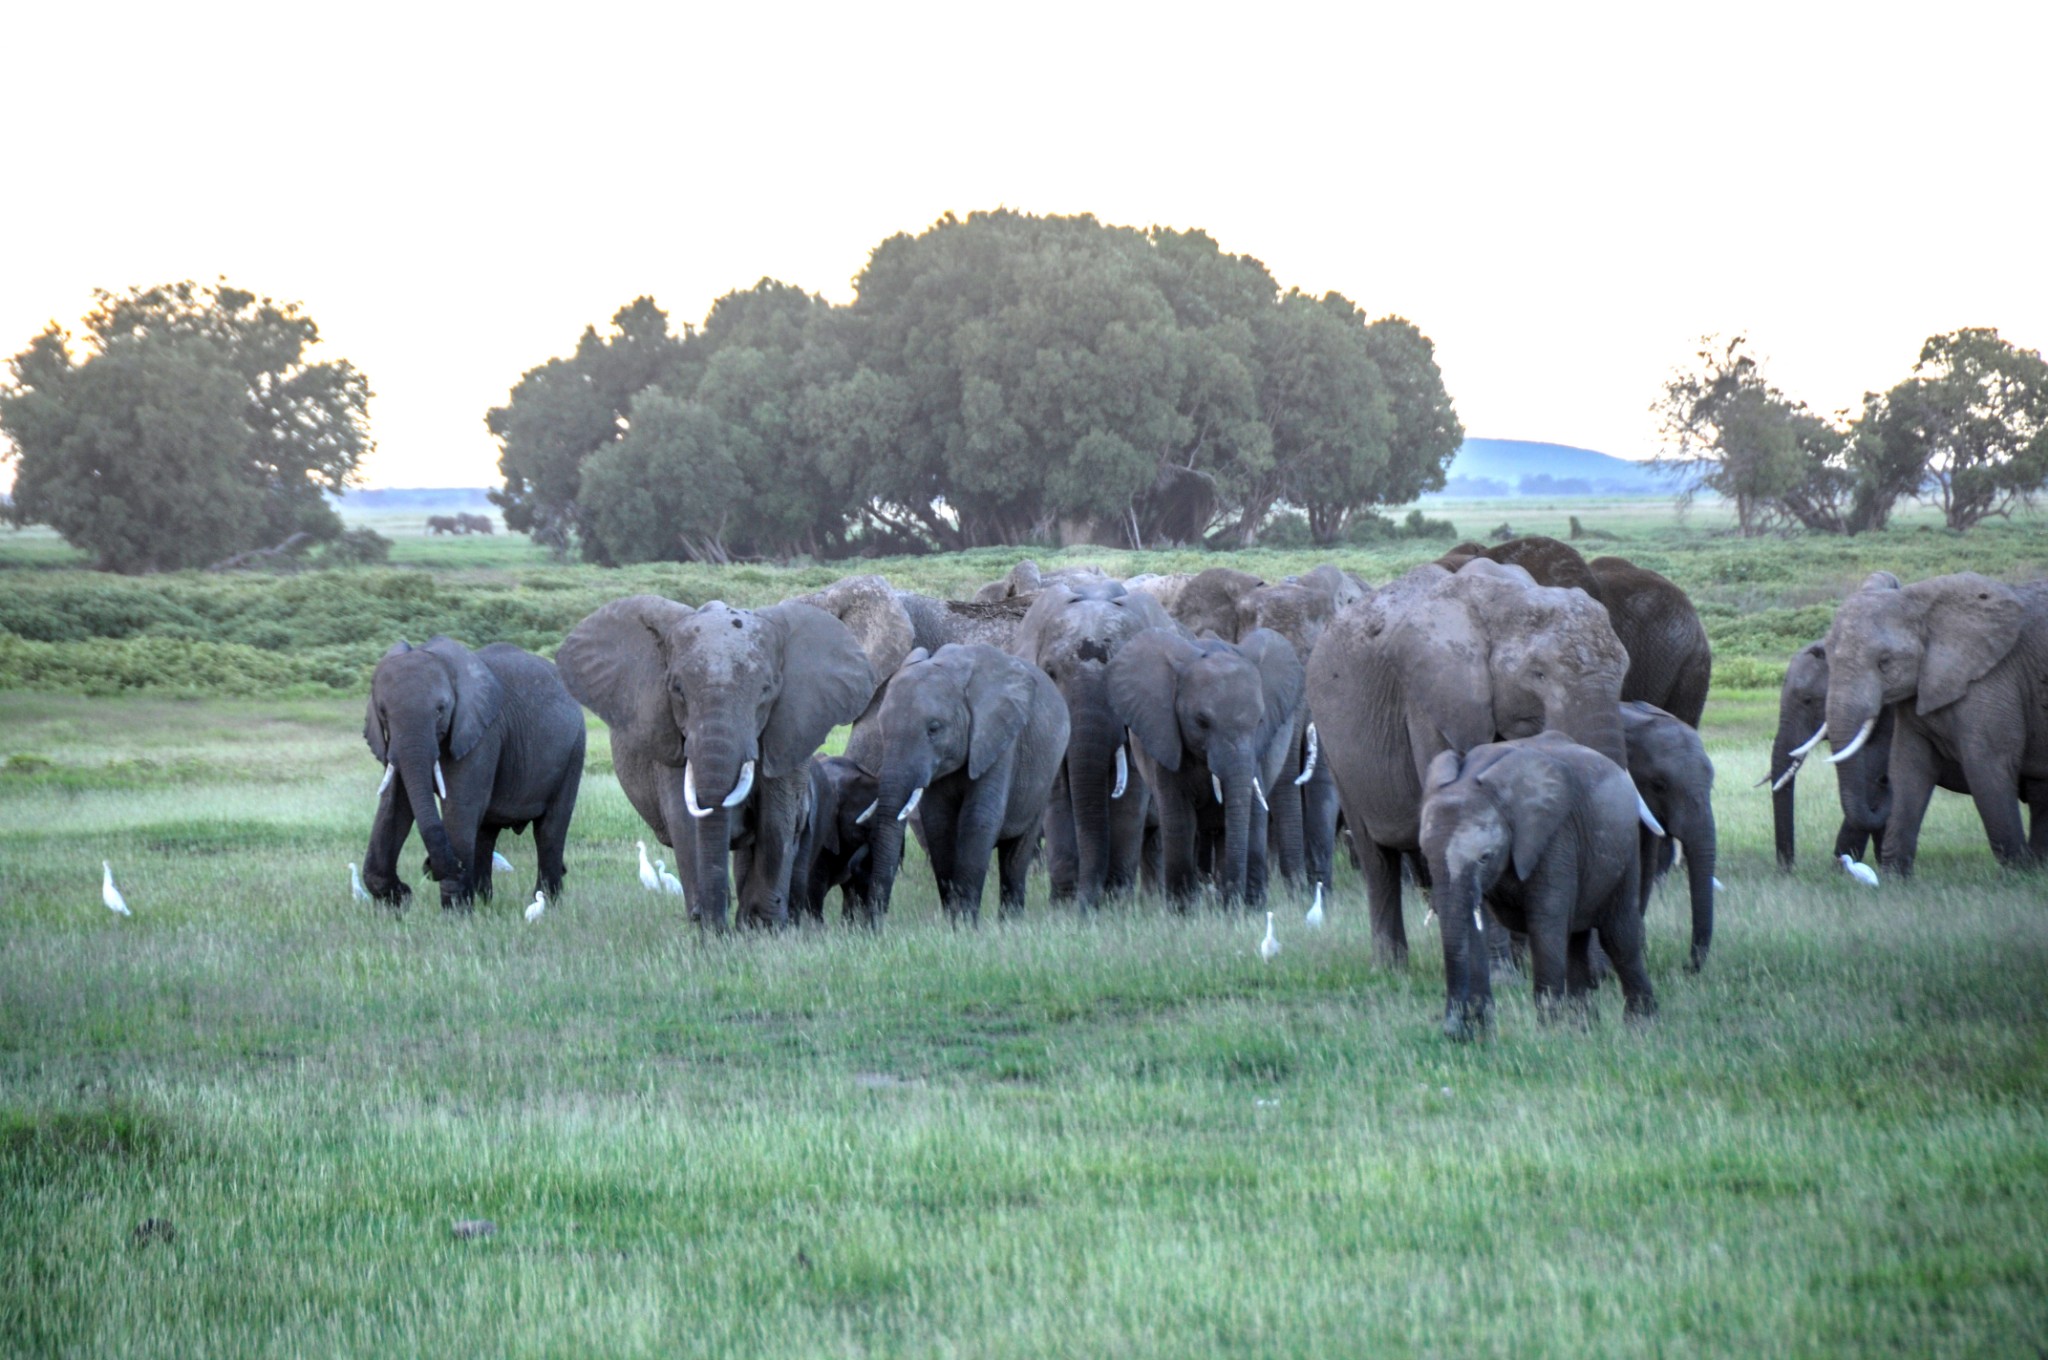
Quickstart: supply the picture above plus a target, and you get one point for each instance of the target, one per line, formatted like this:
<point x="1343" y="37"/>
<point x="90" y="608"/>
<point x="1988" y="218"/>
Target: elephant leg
<point x="1062" y="851"/>
<point x="764" y="897"/>
<point x="551" y="833"/>
<point x="1549" y="963"/>
<point x="1621" y="930"/>
<point x="1319" y="826"/>
<point x="486" y="846"/>
<point x="1913" y="769"/>
<point x="1255" y="855"/>
<point x="1177" y="848"/>
<point x="1013" y="864"/>
<point x="393" y="823"/>
<point x="938" y="813"/>
<point x="460" y="822"/>
<point x="1286" y="834"/>
<point x="1994" y="780"/>
<point x="1578" y="966"/>
<point x="1127" y="838"/>
<point x="975" y="832"/>
<point x="1382" y="870"/>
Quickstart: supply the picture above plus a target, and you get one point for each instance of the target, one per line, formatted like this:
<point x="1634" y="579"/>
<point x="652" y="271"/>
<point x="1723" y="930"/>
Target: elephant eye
<point x="933" y="726"/>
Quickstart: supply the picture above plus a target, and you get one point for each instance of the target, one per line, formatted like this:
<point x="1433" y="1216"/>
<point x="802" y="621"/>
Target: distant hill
<point x="1521" y="467"/>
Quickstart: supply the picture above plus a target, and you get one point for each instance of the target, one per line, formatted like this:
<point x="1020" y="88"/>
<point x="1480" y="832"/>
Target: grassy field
<point x="1117" y="1136"/>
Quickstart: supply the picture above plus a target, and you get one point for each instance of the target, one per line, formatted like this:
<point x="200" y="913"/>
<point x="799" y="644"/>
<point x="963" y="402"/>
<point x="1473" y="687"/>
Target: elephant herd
<point x="1512" y="728"/>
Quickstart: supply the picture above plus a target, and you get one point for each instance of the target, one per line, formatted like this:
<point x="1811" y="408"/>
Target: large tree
<point x="1971" y="424"/>
<point x="185" y="424"/>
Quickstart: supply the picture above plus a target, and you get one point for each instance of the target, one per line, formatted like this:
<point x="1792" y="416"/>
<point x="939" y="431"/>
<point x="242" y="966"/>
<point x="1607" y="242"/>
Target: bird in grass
<point x="538" y="905"/>
<point x="1862" y="873"/>
<point x="355" y="884"/>
<point x="648" y="878"/>
<point x="1315" y="913"/>
<point x="110" y="894"/>
<point x="1269" y="948"/>
<point x="500" y="863"/>
<point x="669" y="882"/>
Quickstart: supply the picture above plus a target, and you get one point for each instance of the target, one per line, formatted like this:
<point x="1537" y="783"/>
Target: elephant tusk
<point x="440" y="788"/>
<point x="389" y="771"/>
<point x="1216" y="787"/>
<point x="1862" y="735"/>
<point x="1259" y="794"/>
<point x="1308" y="767"/>
<point x="697" y="809"/>
<point x="858" y="855"/>
<point x="1123" y="774"/>
<point x="1800" y="751"/>
<point x="911" y="806"/>
<point x="866" y="813"/>
<point x="1782" y="780"/>
<point x="743" y="788"/>
<point x="1647" y="817"/>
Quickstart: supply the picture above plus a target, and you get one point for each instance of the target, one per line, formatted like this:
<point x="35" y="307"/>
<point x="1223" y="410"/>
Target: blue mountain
<point x="1522" y="467"/>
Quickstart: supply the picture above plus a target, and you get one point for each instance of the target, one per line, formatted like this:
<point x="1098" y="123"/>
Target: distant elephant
<point x="1441" y="661"/>
<point x="1214" y="722"/>
<point x="442" y="524"/>
<point x="1542" y="831"/>
<point x="1095" y="821"/>
<point x="1027" y="578"/>
<point x="971" y="739"/>
<point x="1670" y="662"/>
<point x="1962" y="660"/>
<point x="472" y="743"/>
<point x="1668" y="762"/>
<point x="715" y="713"/>
<point x="473" y="524"/>
<point x="833" y="851"/>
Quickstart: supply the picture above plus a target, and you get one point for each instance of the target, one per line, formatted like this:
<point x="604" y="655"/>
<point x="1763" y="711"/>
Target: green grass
<point x="1124" y="1135"/>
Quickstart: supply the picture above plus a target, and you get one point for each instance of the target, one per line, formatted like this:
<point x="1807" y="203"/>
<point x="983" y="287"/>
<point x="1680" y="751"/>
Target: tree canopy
<point x="185" y="424"/>
<point x="999" y="379"/>
<point x="1972" y="422"/>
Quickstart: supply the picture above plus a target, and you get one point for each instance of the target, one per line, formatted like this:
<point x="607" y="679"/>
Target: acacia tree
<point x="184" y="425"/>
<point x="1971" y="423"/>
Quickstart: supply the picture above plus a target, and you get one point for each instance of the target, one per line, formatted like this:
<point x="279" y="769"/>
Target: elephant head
<point x="1669" y="765"/>
<point x="1863" y="780"/>
<point x="703" y="702"/>
<point x="1213" y="600"/>
<point x="1928" y="642"/>
<point x="835" y="851"/>
<point x="1219" y="712"/>
<point x="429" y="704"/>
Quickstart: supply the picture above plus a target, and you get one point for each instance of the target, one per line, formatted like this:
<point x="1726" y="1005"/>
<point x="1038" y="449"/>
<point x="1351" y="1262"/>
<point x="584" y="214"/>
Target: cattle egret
<point x="648" y="878"/>
<point x="1862" y="873"/>
<point x="538" y="905"/>
<point x="669" y="882"/>
<point x="110" y="894"/>
<point x="355" y="884"/>
<point x="1718" y="886"/>
<point x="1315" y="913"/>
<point x="500" y="863"/>
<point x="1269" y="948"/>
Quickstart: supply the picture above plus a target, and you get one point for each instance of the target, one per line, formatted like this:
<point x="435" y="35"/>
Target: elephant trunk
<point x="1854" y="705"/>
<point x="712" y="771"/>
<point x="1097" y="737"/>
<point x="418" y="759"/>
<point x="1698" y="839"/>
<point x="900" y="788"/>
<point x="1239" y="769"/>
<point x="1782" y="796"/>
<point x="1468" y="987"/>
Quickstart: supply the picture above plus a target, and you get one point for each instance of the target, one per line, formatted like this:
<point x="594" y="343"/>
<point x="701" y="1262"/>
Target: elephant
<point x="442" y="524"/>
<point x="1670" y="661"/>
<point x="495" y="735"/>
<point x="889" y="622"/>
<point x="1669" y="764"/>
<point x="970" y="738"/>
<point x="474" y="524"/>
<point x="1304" y="807"/>
<point x="833" y="851"/>
<point x="1027" y="578"/>
<point x="1442" y="661"/>
<point x="1542" y="831"/>
<point x="1214" y="722"/>
<point x="1864" y="779"/>
<point x="1962" y="661"/>
<point x="715" y="713"/>
<point x="1095" y="822"/>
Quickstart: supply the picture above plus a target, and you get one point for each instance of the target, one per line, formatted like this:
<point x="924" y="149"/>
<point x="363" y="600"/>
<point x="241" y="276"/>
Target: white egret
<point x="1315" y="913"/>
<point x="355" y="884"/>
<point x="1269" y="948"/>
<point x="110" y="894"/>
<point x="648" y="879"/>
<point x="1862" y="873"/>
<point x="538" y="905"/>
<point x="500" y="863"/>
<point x="670" y="884"/>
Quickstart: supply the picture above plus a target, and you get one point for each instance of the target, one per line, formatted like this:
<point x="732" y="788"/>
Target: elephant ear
<point x="373" y="726"/>
<point x="1281" y="677"/>
<point x="999" y="691"/>
<point x="479" y="698"/>
<point x="1534" y="792"/>
<point x="1144" y="679"/>
<point x="826" y="680"/>
<point x="1443" y="771"/>
<point x="1972" y="624"/>
<point x="615" y="663"/>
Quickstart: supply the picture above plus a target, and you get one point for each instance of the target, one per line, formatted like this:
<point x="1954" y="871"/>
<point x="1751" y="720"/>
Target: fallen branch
<point x="248" y="559"/>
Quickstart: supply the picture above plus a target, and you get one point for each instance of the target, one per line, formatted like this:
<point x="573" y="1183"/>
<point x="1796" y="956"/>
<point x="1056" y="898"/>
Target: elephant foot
<point x="1469" y="1022"/>
<point x="1389" y="953"/>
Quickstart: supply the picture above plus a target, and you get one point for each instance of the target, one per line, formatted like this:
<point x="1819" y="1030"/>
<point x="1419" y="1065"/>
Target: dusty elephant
<point x="472" y="743"/>
<point x="715" y="713"/>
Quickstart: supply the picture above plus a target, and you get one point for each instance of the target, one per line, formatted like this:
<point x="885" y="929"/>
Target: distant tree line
<point x="1968" y="430"/>
<point x="996" y="380"/>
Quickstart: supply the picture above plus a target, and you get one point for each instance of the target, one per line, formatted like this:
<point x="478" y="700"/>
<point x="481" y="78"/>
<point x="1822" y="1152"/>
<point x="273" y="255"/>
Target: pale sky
<point x="1563" y="197"/>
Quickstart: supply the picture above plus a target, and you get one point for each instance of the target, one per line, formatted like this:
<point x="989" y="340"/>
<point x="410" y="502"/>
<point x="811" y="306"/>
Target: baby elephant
<point x="1543" y="831"/>
<point x="833" y="852"/>
<point x="1669" y="765"/>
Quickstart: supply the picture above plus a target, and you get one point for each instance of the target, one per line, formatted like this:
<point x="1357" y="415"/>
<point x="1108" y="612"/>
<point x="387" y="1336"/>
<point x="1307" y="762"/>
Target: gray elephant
<point x="1670" y="662"/>
<point x="1095" y="821"/>
<point x="442" y="524"/>
<point x="833" y="851"/>
<point x="970" y="739"/>
<point x="1214" y="722"/>
<point x="715" y="713"/>
<point x="472" y="743"/>
<point x="1304" y="803"/>
<point x="889" y="622"/>
<point x="1542" y="831"/>
<point x="1962" y="661"/>
<point x="1027" y="578"/>
<point x="1668" y="762"/>
<point x="1863" y="780"/>
<point x="1441" y="661"/>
